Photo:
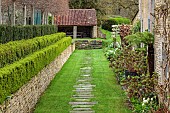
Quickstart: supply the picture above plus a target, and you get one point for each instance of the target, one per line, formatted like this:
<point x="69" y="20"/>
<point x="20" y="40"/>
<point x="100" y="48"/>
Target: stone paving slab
<point x="83" y="93"/>
<point x="82" y="111"/>
<point x="85" y="86"/>
<point x="82" y="100"/>
<point x="82" y="103"/>
<point x="83" y="80"/>
<point x="83" y="97"/>
<point x="83" y="90"/>
<point x="86" y="75"/>
<point x="82" y="106"/>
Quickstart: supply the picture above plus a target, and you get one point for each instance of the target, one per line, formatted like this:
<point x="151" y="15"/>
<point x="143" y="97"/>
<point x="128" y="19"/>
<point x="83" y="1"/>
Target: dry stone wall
<point x="88" y="44"/>
<point x="25" y="99"/>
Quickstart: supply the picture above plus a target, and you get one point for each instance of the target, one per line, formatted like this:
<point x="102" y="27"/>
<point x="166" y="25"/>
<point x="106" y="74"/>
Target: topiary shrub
<point x="14" y="76"/>
<point x="108" y="22"/>
<point x="15" y="50"/>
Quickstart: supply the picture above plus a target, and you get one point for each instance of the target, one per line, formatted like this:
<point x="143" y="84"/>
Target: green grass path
<point x="107" y="93"/>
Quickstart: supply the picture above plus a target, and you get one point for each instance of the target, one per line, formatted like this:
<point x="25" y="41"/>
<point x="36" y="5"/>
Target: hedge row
<point x="14" y="76"/>
<point x="107" y="23"/>
<point x="12" y="33"/>
<point x="13" y="51"/>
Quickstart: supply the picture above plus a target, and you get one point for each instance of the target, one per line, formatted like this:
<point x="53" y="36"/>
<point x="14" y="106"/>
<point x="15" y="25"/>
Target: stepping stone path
<point x="83" y="90"/>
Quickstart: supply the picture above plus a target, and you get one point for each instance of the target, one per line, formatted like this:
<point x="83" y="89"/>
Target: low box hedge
<point x="14" y="76"/>
<point x="12" y="33"/>
<point x="13" y="51"/>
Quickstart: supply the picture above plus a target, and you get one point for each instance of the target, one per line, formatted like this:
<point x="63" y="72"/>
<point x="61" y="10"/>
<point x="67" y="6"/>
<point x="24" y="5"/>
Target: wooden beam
<point x="13" y="22"/>
<point x="74" y="31"/>
<point x="25" y="14"/>
<point x="0" y="12"/>
<point x="33" y="10"/>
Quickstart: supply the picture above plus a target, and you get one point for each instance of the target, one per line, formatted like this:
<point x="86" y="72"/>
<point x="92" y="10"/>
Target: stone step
<point x="82" y="111"/>
<point x="82" y="103"/>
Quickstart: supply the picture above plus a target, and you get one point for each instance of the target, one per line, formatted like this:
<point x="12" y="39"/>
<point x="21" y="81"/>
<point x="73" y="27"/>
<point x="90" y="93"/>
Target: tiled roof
<point x="78" y="17"/>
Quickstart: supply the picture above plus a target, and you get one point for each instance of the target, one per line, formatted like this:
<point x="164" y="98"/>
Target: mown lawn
<point x="107" y="93"/>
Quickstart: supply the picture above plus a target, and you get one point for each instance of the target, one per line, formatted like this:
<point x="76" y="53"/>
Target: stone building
<point x="146" y="9"/>
<point x="20" y="14"/>
<point x="162" y="46"/>
<point x="79" y="23"/>
<point x="136" y="18"/>
<point x="155" y="18"/>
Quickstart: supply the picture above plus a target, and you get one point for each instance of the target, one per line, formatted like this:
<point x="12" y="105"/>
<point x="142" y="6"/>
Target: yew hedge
<point x="12" y="33"/>
<point x="14" y="76"/>
<point x="13" y="51"/>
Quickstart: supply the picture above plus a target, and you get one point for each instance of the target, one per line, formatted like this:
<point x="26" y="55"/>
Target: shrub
<point x="138" y="38"/>
<point x="107" y="23"/>
<point x="13" y="51"/>
<point x="136" y="28"/>
<point x="12" y="33"/>
<point x="14" y="76"/>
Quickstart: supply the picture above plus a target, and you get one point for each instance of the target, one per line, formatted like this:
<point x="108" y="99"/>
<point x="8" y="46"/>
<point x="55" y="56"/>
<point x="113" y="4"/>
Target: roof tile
<point x="79" y="17"/>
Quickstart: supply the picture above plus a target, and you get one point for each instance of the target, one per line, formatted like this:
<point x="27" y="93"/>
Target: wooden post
<point x="74" y="31"/>
<point x="13" y="22"/>
<point x="53" y="19"/>
<point x="47" y="18"/>
<point x="0" y="12"/>
<point x="33" y="10"/>
<point x="94" y="35"/>
<point x="140" y="13"/>
<point x="43" y="18"/>
<point x="25" y="15"/>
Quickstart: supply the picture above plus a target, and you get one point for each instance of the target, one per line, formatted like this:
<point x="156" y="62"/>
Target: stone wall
<point x="100" y="34"/>
<point x="88" y="44"/>
<point x="161" y="60"/>
<point x="25" y="99"/>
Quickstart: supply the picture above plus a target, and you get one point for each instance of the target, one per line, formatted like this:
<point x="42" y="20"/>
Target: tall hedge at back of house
<point x="15" y="50"/>
<point x="107" y="23"/>
<point x="12" y="33"/>
<point x="14" y="76"/>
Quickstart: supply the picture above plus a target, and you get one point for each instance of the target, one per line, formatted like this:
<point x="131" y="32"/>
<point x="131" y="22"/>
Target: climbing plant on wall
<point x="162" y="32"/>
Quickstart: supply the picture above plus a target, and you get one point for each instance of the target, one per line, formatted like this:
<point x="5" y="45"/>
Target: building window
<point x="149" y="27"/>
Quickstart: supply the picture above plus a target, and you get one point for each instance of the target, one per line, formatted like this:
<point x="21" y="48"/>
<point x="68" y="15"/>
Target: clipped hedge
<point x="12" y="33"/>
<point x="107" y="23"/>
<point x="13" y="51"/>
<point x="14" y="76"/>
